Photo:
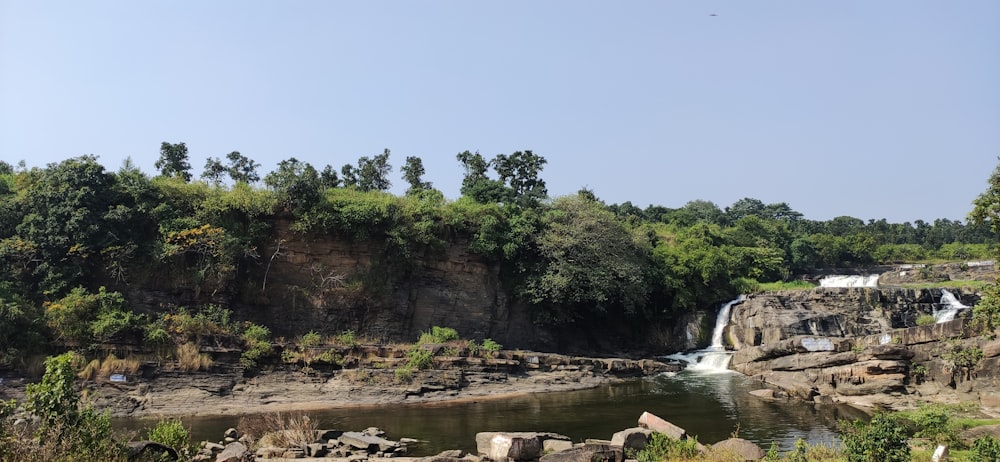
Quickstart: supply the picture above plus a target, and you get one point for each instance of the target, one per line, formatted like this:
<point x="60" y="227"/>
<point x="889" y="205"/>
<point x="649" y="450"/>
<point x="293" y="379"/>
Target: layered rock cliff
<point x="861" y="346"/>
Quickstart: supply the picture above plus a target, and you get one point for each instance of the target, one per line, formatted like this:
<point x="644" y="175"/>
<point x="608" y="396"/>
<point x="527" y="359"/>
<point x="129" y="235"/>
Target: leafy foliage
<point x="883" y="439"/>
<point x="663" y="448"/>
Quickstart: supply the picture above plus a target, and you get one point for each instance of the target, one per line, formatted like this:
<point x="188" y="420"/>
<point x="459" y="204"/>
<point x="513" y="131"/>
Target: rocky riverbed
<point x="365" y="380"/>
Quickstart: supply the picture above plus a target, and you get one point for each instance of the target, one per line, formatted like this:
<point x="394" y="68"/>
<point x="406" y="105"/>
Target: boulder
<point x="454" y="455"/>
<point x="745" y="449"/>
<point x="552" y="445"/>
<point x="632" y="438"/>
<point x="368" y="442"/>
<point x="516" y="446"/>
<point x="234" y="452"/>
<point x="150" y="450"/>
<point x="269" y="452"/>
<point x="587" y="453"/>
<point x="659" y="425"/>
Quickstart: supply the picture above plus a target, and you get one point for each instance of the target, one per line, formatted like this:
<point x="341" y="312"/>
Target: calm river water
<point x="711" y="406"/>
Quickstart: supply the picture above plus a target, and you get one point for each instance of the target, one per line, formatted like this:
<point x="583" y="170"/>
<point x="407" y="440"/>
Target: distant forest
<point x="74" y="229"/>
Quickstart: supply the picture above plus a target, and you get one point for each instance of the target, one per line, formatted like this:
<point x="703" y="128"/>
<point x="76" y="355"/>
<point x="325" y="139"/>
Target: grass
<point x="797" y="284"/>
<point x="959" y="284"/>
<point x="283" y="430"/>
<point x="189" y="359"/>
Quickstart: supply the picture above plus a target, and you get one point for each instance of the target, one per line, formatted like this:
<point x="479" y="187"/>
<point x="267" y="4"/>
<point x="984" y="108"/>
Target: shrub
<point x="419" y="358"/>
<point x="438" y="335"/>
<point x="490" y="346"/>
<point x="172" y="433"/>
<point x="309" y="340"/>
<point x="933" y="421"/>
<point x="985" y="449"/>
<point x="926" y="320"/>
<point x="883" y="439"/>
<point x="258" y="344"/>
<point x="662" y="448"/>
<point x="346" y="338"/>
<point x="67" y="431"/>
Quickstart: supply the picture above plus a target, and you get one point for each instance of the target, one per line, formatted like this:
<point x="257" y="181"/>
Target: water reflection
<point x="711" y="406"/>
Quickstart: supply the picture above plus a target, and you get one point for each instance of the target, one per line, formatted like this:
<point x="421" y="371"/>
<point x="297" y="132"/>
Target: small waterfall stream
<point x="715" y="358"/>
<point x="950" y="307"/>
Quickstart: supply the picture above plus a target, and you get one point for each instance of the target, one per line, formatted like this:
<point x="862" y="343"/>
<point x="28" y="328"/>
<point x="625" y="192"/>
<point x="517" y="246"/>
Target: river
<point x="711" y="406"/>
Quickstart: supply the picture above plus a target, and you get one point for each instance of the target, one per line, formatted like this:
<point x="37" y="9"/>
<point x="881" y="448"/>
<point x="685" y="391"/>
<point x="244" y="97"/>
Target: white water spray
<point x="849" y="281"/>
<point x="715" y="358"/>
<point x="951" y="306"/>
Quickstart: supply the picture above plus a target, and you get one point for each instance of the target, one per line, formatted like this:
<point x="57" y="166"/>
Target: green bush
<point x="438" y="335"/>
<point x="934" y="422"/>
<point x="257" y="340"/>
<point x="490" y="346"/>
<point x="68" y="431"/>
<point x="883" y="439"/>
<point x="926" y="320"/>
<point x="310" y="339"/>
<point x="346" y="338"/>
<point x="985" y="449"/>
<point x="419" y="358"/>
<point x="171" y="432"/>
<point x="663" y="448"/>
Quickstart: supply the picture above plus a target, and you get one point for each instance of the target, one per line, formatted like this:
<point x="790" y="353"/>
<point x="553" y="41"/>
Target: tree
<point x="296" y="182"/>
<point x="986" y="207"/>
<point x="373" y="173"/>
<point x="242" y="168"/>
<point x="173" y="161"/>
<point x="519" y="171"/>
<point x="590" y="264"/>
<point x="70" y="213"/>
<point x="349" y="175"/>
<point x="413" y="171"/>
<point x="743" y="208"/>
<point x="517" y="183"/>
<point x="328" y="177"/>
<point x="214" y="170"/>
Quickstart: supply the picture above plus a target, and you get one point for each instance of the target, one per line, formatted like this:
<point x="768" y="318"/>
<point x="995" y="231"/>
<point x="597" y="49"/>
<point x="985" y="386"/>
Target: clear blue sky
<point x="873" y="109"/>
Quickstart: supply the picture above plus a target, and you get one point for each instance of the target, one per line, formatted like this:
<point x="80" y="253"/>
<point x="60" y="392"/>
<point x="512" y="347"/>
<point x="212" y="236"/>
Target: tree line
<point x="73" y="229"/>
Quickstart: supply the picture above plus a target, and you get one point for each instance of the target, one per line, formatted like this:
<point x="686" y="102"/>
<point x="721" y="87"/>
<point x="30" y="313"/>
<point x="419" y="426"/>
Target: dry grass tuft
<point x="189" y="359"/>
<point x="282" y="430"/>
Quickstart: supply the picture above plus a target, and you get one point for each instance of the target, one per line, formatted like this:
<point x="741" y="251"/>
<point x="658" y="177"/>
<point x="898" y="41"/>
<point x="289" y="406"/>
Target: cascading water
<point x="715" y="358"/>
<point x="849" y="281"/>
<point x="951" y="307"/>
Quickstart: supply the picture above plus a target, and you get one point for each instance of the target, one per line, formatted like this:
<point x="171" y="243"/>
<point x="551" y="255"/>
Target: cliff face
<point x="331" y="284"/>
<point x="327" y="284"/>
<point x="831" y="312"/>
<point x="861" y="346"/>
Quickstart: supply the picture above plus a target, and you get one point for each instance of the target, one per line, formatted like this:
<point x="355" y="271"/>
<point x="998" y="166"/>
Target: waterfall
<point x="721" y="322"/>
<point x="951" y="306"/>
<point x="715" y="358"/>
<point x="849" y="281"/>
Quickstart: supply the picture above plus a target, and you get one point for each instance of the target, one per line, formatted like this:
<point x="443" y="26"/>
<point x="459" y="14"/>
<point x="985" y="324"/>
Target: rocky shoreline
<point x="368" y="382"/>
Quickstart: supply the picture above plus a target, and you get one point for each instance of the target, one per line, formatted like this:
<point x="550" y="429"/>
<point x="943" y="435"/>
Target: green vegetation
<point x="883" y="439"/>
<point x="66" y="430"/>
<point x="663" y="448"/>
<point x="75" y="236"/>
<point x="171" y="432"/>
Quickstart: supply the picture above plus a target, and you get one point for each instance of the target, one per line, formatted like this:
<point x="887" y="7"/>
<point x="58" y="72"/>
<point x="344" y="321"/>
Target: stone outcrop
<point x="861" y="346"/>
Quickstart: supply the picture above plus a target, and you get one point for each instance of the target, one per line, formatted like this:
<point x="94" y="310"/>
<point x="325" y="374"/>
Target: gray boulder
<point x="632" y="438"/>
<point x="747" y="450"/>
<point x="587" y="453"/>
<point x="234" y="452"/>
<point x="513" y="446"/>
